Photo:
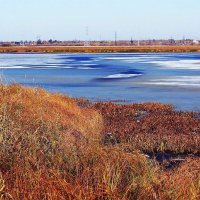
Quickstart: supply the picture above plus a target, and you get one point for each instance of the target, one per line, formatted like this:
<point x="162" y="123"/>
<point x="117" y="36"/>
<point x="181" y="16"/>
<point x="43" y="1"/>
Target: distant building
<point x="195" y="42"/>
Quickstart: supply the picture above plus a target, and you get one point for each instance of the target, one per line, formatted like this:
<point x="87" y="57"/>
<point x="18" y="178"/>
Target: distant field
<point x="98" y="49"/>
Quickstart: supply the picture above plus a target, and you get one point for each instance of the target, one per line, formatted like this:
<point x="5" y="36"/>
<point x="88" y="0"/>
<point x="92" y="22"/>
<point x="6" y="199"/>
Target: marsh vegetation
<point x="57" y="147"/>
<point x="98" y="49"/>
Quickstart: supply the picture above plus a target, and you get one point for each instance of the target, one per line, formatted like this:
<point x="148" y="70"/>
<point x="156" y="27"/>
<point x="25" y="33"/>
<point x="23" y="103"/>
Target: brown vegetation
<point x="152" y="127"/>
<point x="97" y="49"/>
<point x="50" y="148"/>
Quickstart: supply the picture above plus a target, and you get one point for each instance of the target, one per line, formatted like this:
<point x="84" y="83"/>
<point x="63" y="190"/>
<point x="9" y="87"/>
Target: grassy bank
<point x="98" y="49"/>
<point x="56" y="147"/>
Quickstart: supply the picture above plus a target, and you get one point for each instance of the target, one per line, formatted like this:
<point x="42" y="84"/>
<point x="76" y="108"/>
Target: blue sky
<point x="68" y="19"/>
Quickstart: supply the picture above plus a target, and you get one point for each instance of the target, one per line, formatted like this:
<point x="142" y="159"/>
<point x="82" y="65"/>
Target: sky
<point x="68" y="19"/>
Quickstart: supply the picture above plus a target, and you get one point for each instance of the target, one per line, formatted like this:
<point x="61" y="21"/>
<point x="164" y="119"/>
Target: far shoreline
<point x="100" y="49"/>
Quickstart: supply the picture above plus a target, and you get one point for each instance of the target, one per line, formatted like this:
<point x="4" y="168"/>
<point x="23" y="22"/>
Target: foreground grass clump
<point x="50" y="148"/>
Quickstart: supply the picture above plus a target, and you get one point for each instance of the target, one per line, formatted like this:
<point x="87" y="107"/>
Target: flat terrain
<point x="98" y="49"/>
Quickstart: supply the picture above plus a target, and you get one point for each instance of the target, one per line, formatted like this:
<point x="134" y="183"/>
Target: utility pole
<point x="183" y="40"/>
<point x="115" y="38"/>
<point x="131" y="41"/>
<point x="87" y="37"/>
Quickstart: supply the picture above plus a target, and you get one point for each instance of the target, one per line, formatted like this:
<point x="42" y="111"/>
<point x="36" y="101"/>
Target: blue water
<point x="165" y="77"/>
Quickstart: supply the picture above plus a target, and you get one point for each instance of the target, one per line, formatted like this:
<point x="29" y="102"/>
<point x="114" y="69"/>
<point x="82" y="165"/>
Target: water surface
<point x="165" y="77"/>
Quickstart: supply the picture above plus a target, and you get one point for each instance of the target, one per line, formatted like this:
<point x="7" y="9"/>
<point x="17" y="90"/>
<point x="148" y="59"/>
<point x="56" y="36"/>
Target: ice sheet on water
<point x="114" y="76"/>
<point x="186" y="81"/>
<point x="178" y="64"/>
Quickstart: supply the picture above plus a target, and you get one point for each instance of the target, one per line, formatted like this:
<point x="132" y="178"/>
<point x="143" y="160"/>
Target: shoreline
<point x="100" y="49"/>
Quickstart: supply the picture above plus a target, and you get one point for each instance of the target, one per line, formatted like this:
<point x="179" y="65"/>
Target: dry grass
<point x="98" y="49"/>
<point x="184" y="182"/>
<point x="50" y="148"/>
<point x="159" y="130"/>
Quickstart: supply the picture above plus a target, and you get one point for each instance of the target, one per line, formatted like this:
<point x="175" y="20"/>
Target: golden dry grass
<point x="97" y="49"/>
<point x="50" y="148"/>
